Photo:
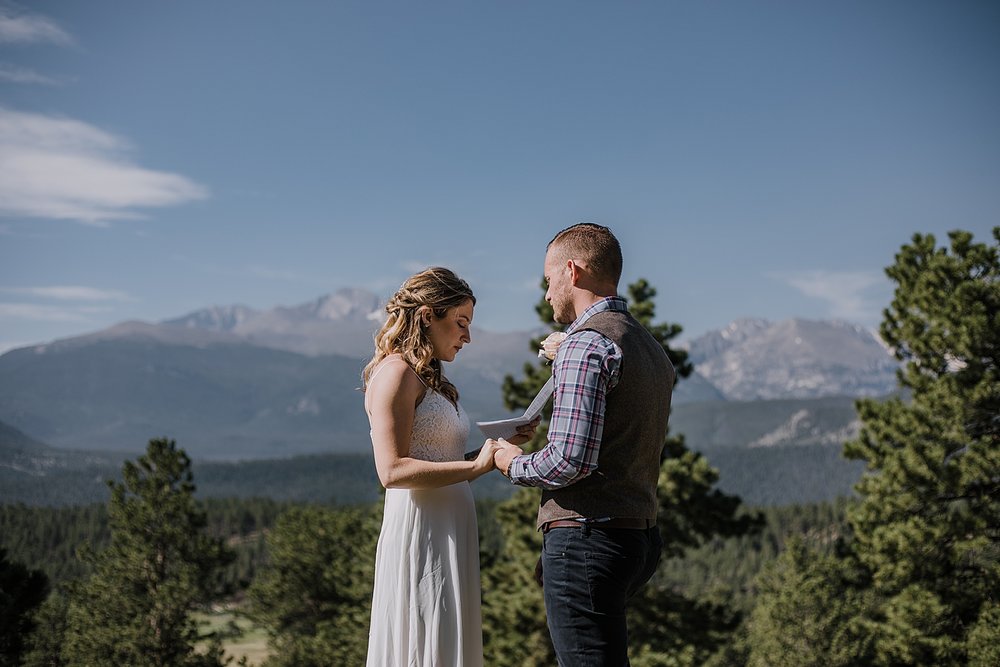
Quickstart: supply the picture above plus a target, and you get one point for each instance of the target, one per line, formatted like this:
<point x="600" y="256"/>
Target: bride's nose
<point x="467" y="336"/>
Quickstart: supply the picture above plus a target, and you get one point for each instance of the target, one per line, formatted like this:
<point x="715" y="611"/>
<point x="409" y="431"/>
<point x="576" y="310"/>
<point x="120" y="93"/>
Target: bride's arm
<point x="391" y="402"/>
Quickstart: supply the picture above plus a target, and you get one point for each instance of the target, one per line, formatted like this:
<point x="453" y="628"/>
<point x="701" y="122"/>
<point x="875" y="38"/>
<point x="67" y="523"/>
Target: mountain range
<point x="754" y="359"/>
<point x="234" y="383"/>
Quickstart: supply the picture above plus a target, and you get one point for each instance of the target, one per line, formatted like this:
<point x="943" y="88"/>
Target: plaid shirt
<point x="585" y="369"/>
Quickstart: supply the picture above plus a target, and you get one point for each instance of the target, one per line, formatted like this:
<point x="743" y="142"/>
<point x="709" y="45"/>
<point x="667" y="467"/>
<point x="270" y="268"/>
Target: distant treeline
<point x="49" y="539"/>
<point x="780" y="475"/>
<point x="726" y="568"/>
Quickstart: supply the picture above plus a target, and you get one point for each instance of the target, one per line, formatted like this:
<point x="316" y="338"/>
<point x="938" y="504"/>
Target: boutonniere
<point x="551" y="345"/>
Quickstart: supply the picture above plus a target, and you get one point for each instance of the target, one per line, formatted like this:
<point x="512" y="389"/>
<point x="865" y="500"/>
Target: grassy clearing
<point x="240" y="637"/>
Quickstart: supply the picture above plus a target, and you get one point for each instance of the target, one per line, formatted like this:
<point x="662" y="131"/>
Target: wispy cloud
<point x="69" y="293"/>
<point x="49" y="313"/>
<point x="18" y="74"/>
<point x="847" y="293"/>
<point x="77" y="303"/>
<point x="62" y="168"/>
<point x="20" y="27"/>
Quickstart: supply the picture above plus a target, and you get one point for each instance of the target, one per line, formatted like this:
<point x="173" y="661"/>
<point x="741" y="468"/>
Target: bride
<point x="426" y="601"/>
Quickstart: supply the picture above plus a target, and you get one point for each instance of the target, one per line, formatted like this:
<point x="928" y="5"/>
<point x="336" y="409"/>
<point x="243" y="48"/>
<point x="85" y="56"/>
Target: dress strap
<point x="386" y="362"/>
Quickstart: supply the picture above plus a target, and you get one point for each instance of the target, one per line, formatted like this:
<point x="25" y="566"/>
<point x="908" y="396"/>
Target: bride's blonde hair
<point x="438" y="289"/>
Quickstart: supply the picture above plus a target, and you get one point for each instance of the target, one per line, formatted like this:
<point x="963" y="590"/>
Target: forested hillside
<point x="777" y="475"/>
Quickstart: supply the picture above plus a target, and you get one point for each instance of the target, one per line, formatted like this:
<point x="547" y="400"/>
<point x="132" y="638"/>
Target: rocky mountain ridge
<point x="232" y="382"/>
<point x="754" y="359"/>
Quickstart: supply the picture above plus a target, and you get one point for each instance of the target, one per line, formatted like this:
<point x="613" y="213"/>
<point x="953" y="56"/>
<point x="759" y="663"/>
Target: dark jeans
<point x="589" y="574"/>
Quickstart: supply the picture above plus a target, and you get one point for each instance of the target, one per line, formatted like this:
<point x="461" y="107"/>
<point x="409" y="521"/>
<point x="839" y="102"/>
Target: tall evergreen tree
<point x="22" y="591"/>
<point x="315" y="597"/>
<point x="691" y="511"/>
<point x="45" y="645"/>
<point x="928" y="522"/>
<point x="808" y="612"/>
<point x="135" y="607"/>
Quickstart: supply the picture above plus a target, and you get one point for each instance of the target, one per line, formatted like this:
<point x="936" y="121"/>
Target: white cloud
<point x="846" y="292"/>
<point x="80" y="303"/>
<point x="47" y="313"/>
<point x="17" y="74"/>
<point x="69" y="293"/>
<point x="65" y="169"/>
<point x="22" y="28"/>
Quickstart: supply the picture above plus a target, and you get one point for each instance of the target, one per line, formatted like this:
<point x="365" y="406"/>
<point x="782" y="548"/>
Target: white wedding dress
<point x="426" y="602"/>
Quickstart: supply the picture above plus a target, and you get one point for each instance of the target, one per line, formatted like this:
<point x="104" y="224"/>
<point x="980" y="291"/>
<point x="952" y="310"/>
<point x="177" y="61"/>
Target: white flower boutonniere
<point x="551" y="345"/>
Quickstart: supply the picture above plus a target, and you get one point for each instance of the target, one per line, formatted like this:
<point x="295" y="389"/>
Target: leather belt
<point x="628" y="524"/>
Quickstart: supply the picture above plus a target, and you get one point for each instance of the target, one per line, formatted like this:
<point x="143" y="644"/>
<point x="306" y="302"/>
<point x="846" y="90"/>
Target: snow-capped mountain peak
<point x="347" y="303"/>
<point x="215" y="318"/>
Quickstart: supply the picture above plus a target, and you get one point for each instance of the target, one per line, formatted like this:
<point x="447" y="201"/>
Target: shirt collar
<point x="606" y="303"/>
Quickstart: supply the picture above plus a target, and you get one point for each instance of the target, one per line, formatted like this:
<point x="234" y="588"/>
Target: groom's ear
<point x="576" y="271"/>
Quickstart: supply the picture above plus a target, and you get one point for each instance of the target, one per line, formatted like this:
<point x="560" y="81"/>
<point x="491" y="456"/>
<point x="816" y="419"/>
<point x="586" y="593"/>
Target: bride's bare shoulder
<point x="394" y="375"/>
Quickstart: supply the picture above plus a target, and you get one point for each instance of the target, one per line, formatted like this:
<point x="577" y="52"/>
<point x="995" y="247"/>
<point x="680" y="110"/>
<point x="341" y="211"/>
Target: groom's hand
<point x="525" y="433"/>
<point x="503" y="456"/>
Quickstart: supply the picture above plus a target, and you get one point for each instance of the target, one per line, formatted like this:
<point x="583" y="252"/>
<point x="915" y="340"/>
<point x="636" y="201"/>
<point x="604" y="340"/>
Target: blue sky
<point x="762" y="159"/>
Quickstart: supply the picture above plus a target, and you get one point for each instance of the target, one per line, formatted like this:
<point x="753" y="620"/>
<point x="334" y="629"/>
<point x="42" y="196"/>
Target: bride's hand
<point x="525" y="433"/>
<point x="484" y="462"/>
<point x="504" y="455"/>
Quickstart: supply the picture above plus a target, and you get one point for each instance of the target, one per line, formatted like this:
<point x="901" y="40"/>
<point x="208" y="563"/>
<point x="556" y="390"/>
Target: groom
<point x="599" y="469"/>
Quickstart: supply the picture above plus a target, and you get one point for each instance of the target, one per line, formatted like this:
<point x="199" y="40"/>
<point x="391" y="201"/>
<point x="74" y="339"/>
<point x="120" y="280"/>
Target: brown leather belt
<point x="629" y="524"/>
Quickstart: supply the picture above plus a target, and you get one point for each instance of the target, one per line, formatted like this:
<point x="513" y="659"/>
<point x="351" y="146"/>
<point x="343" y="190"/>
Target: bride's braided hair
<point x="436" y="288"/>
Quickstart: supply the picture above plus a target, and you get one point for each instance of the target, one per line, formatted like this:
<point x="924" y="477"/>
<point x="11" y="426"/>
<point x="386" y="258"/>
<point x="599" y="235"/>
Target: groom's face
<point x="560" y="287"/>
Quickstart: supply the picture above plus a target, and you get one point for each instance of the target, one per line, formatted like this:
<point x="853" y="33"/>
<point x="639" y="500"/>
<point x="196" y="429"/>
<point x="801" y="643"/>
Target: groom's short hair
<point x="593" y="244"/>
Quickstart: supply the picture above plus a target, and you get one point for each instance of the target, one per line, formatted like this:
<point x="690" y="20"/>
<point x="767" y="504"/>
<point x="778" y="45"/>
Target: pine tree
<point x="135" y="607"/>
<point x="691" y="511"/>
<point x="45" y="644"/>
<point x="808" y="612"/>
<point x="315" y="597"/>
<point x="22" y="591"/>
<point x="928" y="522"/>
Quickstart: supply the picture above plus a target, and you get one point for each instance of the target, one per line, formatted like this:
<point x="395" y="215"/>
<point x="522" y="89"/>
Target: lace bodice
<point x="439" y="430"/>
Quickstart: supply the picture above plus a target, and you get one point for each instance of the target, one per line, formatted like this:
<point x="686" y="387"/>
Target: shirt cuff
<point x="516" y="470"/>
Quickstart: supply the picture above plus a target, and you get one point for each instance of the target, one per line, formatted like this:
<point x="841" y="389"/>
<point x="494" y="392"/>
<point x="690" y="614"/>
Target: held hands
<point x="483" y="463"/>
<point x="504" y="454"/>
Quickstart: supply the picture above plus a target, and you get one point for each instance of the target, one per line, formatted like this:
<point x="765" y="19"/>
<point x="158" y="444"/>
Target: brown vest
<point x="635" y="428"/>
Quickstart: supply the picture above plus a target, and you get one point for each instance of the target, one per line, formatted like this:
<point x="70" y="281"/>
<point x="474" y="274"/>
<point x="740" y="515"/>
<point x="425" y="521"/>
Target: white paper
<point x="507" y="428"/>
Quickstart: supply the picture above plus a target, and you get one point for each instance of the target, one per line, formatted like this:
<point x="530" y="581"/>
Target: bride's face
<point x="450" y="333"/>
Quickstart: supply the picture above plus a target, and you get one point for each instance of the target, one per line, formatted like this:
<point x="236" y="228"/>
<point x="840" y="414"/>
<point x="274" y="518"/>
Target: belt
<point x="628" y="524"/>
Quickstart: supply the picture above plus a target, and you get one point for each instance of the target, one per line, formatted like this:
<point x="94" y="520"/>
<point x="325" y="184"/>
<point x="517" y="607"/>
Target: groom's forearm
<point x="549" y="468"/>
